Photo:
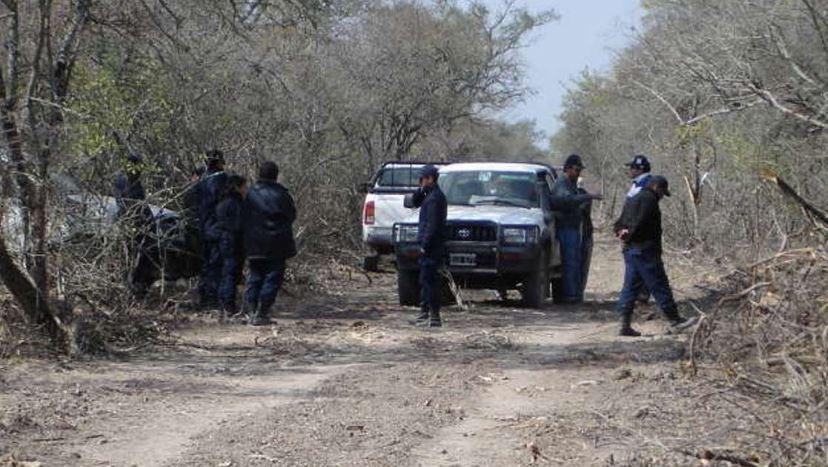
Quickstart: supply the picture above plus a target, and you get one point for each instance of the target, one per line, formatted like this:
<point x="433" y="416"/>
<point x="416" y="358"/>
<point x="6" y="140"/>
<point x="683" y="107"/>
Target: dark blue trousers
<point x="571" y="263"/>
<point x="229" y="271"/>
<point x="210" y="270"/>
<point x="645" y="266"/>
<point x="430" y="284"/>
<point x="264" y="279"/>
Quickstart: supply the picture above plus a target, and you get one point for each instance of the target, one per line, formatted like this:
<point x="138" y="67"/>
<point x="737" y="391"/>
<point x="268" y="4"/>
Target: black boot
<point x="677" y="323"/>
<point x="435" y="321"/>
<point x="261" y="317"/>
<point x="228" y="312"/>
<point x="626" y="326"/>
<point x="422" y="317"/>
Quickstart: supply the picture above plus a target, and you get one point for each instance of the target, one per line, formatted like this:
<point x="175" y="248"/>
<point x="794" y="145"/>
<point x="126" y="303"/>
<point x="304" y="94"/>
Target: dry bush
<point x="770" y="340"/>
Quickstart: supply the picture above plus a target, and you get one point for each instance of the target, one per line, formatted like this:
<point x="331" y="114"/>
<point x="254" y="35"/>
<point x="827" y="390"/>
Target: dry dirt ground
<point x="342" y="379"/>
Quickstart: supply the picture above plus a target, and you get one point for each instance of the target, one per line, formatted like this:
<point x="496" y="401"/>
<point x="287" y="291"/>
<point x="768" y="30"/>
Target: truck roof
<point x="496" y="166"/>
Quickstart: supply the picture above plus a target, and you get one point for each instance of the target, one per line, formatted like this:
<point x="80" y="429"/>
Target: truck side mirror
<point x="408" y="201"/>
<point x="364" y="188"/>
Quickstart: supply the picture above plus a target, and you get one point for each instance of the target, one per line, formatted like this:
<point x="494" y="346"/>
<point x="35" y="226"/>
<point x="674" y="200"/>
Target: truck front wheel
<point x="408" y="288"/>
<point x="536" y="285"/>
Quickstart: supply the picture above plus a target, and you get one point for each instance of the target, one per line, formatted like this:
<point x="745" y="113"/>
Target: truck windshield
<point x="477" y="188"/>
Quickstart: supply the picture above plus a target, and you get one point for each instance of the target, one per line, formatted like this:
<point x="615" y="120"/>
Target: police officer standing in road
<point x="569" y="204"/>
<point x="639" y="173"/>
<point x="431" y="236"/>
<point x="210" y="189"/>
<point x="268" y="216"/>
<point x="640" y="229"/>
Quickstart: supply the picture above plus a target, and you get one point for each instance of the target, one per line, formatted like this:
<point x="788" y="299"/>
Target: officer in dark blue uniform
<point x="269" y="213"/>
<point x="640" y="229"/>
<point x="229" y="226"/>
<point x="129" y="191"/>
<point x="210" y="189"/>
<point x="129" y="198"/>
<point x="570" y="206"/>
<point x="431" y="236"/>
<point x="639" y="172"/>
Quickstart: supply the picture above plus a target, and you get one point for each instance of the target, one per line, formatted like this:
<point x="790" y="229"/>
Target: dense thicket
<point x="722" y="95"/>
<point x="328" y="89"/>
<point x="730" y="98"/>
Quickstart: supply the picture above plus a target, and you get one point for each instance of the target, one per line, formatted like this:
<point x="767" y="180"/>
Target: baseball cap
<point x="429" y="171"/>
<point x="639" y="162"/>
<point x="662" y="182"/>
<point x="574" y="160"/>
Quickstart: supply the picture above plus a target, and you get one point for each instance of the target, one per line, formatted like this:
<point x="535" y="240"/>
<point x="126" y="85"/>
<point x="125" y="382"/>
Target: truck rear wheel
<point x="408" y="288"/>
<point x="371" y="263"/>
<point x="536" y="285"/>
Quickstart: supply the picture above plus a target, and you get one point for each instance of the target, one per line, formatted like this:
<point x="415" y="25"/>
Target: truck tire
<point x="536" y="285"/>
<point x="370" y="263"/>
<point x="408" y="288"/>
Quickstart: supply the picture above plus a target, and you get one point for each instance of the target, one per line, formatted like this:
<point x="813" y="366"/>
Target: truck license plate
<point x="463" y="259"/>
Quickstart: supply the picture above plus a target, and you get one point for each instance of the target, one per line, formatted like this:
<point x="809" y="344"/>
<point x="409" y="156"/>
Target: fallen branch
<point x="708" y="455"/>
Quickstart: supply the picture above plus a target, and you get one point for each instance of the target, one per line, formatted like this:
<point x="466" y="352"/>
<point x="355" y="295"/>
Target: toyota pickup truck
<point x="500" y="232"/>
<point x="384" y="206"/>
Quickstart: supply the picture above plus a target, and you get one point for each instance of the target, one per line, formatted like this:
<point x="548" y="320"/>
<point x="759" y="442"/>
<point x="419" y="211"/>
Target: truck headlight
<point x="406" y="233"/>
<point x="520" y="235"/>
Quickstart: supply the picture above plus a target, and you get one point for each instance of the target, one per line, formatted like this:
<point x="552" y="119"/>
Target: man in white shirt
<point x="639" y="171"/>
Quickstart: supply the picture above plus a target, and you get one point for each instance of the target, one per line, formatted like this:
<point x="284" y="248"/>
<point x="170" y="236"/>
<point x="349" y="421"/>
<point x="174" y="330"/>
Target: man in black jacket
<point x="268" y="216"/>
<point x="640" y="229"/>
<point x="130" y="199"/>
<point x="431" y="236"/>
<point x="210" y="190"/>
<point x="229" y="225"/>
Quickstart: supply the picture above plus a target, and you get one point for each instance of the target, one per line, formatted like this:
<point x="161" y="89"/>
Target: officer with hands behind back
<point x="640" y="229"/>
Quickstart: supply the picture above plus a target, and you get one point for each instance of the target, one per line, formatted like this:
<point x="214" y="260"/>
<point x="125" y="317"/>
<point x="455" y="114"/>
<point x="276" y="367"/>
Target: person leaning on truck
<point x="569" y="206"/>
<point x="640" y="229"/>
<point x="431" y="236"/>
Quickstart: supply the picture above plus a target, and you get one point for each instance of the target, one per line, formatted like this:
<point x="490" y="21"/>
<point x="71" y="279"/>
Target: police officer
<point x="229" y="225"/>
<point x="129" y="199"/>
<point x="570" y="204"/>
<point x="640" y="229"/>
<point x="431" y="236"/>
<point x="210" y="189"/>
<point x="268" y="217"/>
<point x="639" y="172"/>
<point x="129" y="191"/>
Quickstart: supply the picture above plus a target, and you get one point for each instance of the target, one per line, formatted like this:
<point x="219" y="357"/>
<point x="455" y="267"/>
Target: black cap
<point x="639" y="162"/>
<point x="134" y="158"/>
<point x="429" y="171"/>
<point x="214" y="155"/>
<point x="574" y="160"/>
<point x="662" y="182"/>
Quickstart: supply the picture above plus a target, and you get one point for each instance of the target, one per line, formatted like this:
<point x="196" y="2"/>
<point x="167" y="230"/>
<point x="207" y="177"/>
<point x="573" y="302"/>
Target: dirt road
<point x="342" y="379"/>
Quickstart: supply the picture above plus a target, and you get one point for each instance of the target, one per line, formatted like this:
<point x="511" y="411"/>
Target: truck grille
<point x="466" y="232"/>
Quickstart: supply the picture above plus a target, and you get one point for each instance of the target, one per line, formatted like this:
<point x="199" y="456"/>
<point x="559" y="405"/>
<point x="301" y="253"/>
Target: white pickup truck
<point x="384" y="207"/>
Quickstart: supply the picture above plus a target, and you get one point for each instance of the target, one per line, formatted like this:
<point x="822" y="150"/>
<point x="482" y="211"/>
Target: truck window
<point x="477" y="188"/>
<point x="398" y="177"/>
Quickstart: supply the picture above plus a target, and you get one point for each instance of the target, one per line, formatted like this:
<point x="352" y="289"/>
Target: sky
<point x="583" y="38"/>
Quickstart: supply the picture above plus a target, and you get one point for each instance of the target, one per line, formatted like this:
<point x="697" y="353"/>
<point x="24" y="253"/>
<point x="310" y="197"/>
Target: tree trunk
<point x="34" y="305"/>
